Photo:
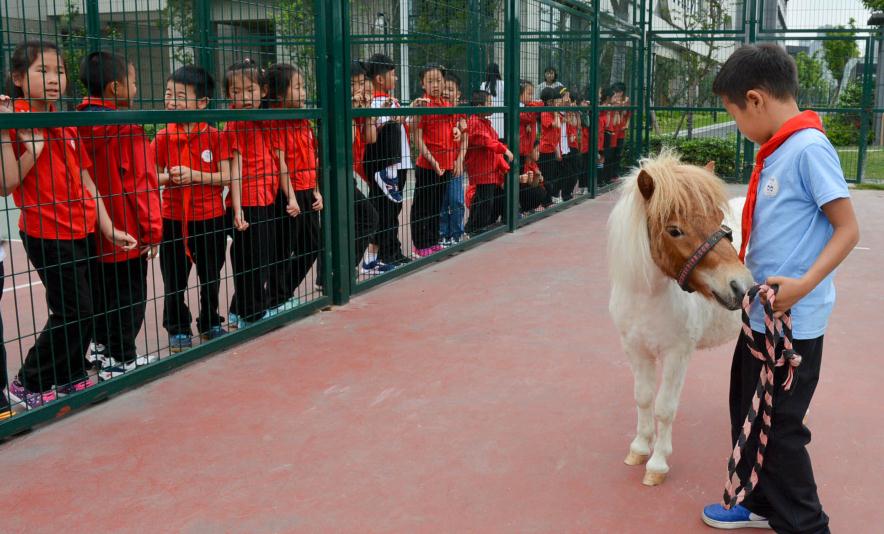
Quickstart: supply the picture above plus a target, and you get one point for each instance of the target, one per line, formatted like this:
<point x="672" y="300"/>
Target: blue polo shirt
<point x="789" y="228"/>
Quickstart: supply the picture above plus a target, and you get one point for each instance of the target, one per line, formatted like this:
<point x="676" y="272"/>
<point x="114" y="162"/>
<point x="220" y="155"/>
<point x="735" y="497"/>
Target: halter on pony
<point x="700" y="253"/>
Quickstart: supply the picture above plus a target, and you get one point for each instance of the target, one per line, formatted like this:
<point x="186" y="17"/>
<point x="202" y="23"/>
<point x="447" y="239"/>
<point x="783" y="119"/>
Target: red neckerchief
<point x="58" y="134"/>
<point x="803" y="121"/>
<point x="179" y="136"/>
<point x="97" y="101"/>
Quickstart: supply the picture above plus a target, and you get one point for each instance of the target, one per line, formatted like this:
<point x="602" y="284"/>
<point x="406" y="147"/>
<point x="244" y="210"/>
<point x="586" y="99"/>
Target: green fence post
<point x="638" y="68"/>
<point x="475" y="51"/>
<point x="205" y="34"/>
<point x="333" y="53"/>
<point x="865" y="111"/>
<point x="594" y="102"/>
<point x="750" y="22"/>
<point x="2" y="44"/>
<point x="512" y="46"/>
<point x="649" y="73"/>
<point x="93" y="25"/>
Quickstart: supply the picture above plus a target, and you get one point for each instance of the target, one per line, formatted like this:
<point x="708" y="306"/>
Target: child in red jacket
<point x="252" y="194"/>
<point x="125" y="176"/>
<point x="298" y="238"/>
<point x="195" y="163"/>
<point x="47" y="171"/>
<point x="437" y="163"/>
<point x="485" y="170"/>
<point x="532" y="193"/>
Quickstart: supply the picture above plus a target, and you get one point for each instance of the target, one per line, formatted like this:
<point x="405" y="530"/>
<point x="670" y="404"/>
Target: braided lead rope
<point x="774" y="329"/>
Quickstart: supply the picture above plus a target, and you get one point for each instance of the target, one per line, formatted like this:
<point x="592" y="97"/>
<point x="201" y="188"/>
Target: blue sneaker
<point x="716" y="516"/>
<point x="234" y="322"/>
<point x="375" y="267"/>
<point x="213" y="333"/>
<point x="388" y="180"/>
<point x="179" y="342"/>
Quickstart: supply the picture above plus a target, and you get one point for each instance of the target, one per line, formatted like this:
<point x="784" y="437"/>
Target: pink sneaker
<point x="80" y="385"/>
<point x="437" y="248"/>
<point x="32" y="399"/>
<point x="424" y="252"/>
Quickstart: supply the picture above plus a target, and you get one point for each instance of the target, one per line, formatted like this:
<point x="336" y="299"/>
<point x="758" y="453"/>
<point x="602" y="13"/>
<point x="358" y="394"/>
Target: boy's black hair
<point x="765" y="66"/>
<point x="451" y="76"/>
<point x="607" y="93"/>
<point x="98" y="69"/>
<point x="479" y="98"/>
<point x="618" y="87"/>
<point x="357" y="68"/>
<point x="430" y="67"/>
<point x="25" y="54"/>
<point x="550" y="93"/>
<point x="524" y="84"/>
<point x="278" y="78"/>
<point x="576" y="95"/>
<point x="492" y="76"/>
<point x="379" y="64"/>
<point x="249" y="69"/>
<point x="197" y="77"/>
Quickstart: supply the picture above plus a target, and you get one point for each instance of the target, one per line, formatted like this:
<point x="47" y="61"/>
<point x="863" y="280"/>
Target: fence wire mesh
<point x="223" y="140"/>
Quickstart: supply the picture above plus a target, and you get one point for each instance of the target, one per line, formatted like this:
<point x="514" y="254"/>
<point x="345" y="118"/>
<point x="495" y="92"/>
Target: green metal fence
<point x="836" y="51"/>
<point x="622" y="78"/>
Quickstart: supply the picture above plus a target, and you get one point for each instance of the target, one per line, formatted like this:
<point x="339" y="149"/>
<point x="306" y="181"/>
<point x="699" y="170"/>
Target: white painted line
<point x="861" y="248"/>
<point x="22" y="286"/>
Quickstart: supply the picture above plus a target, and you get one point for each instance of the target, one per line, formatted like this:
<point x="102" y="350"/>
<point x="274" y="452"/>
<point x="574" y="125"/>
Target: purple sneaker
<point x="424" y="252"/>
<point x="75" y="387"/>
<point x="32" y="399"/>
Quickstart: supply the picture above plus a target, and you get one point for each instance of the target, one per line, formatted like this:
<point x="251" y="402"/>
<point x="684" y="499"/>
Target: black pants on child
<point x="58" y="357"/>
<point x="295" y="249"/>
<point x="570" y="164"/>
<point x="582" y="169"/>
<point x="207" y="242"/>
<point x="429" y="188"/>
<point x="531" y="198"/>
<point x="486" y="207"/>
<point x="366" y="223"/>
<point x="387" y="234"/>
<point x="786" y="493"/>
<point x="250" y="254"/>
<point x="120" y="299"/>
<point x="551" y="169"/>
<point x="4" y="378"/>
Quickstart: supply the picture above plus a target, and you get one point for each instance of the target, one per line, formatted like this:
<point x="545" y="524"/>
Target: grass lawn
<point x="668" y="120"/>
<point x="873" y="168"/>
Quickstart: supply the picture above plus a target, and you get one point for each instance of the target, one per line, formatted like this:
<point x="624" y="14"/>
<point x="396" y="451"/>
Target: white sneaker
<point x="111" y="368"/>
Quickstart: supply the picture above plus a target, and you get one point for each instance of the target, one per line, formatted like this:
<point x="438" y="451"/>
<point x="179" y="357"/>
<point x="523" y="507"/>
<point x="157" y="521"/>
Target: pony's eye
<point x="674" y="231"/>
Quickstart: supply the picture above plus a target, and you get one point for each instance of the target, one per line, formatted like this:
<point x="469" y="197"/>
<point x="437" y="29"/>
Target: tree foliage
<point x="813" y="89"/>
<point x="843" y="129"/>
<point x="874" y="5"/>
<point x="837" y="52"/>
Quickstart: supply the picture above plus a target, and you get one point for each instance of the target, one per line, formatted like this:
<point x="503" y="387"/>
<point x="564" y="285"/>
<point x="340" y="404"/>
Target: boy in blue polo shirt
<point x="799" y="225"/>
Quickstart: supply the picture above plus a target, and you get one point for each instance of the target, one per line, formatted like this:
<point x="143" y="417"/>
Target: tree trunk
<point x="618" y="65"/>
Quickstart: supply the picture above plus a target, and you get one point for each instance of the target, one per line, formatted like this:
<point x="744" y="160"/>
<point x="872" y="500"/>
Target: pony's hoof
<point x="634" y="458"/>
<point x="653" y="478"/>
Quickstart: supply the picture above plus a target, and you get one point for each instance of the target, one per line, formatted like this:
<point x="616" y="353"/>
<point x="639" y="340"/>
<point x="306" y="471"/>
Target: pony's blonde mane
<point x="678" y="188"/>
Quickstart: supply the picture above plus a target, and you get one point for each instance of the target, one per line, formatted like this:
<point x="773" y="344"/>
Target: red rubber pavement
<point x="486" y="393"/>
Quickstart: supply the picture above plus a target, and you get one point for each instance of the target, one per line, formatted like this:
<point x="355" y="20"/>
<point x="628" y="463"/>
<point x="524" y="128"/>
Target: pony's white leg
<point x="644" y="371"/>
<point x="675" y="365"/>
